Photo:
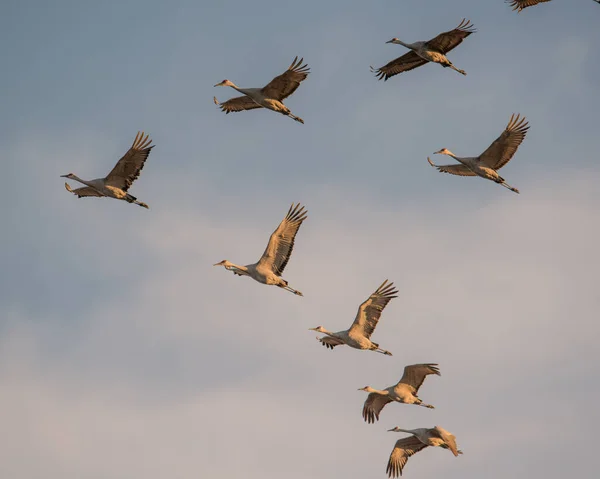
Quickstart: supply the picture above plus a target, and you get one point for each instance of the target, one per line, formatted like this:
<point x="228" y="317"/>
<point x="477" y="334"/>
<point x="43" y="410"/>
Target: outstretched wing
<point x="281" y="242"/>
<point x="460" y="170"/>
<point x="501" y="151"/>
<point x="82" y="192"/>
<point x="369" y="312"/>
<point x="406" y="62"/>
<point x="239" y="103"/>
<point x="447" y="41"/>
<point x="373" y="406"/>
<point x="128" y="168"/>
<point x="285" y="84"/>
<point x="448" y="438"/>
<point x="521" y="4"/>
<point x="330" y="342"/>
<point x="403" y="449"/>
<point x="415" y="374"/>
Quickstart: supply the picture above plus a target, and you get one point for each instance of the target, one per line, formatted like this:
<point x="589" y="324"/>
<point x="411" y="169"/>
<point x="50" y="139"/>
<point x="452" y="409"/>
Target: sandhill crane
<point x="420" y="439"/>
<point x="498" y="154"/>
<point x="118" y="181"/>
<point x="434" y="50"/>
<point x="367" y="317"/>
<point x="270" y="266"/>
<point x="404" y="391"/>
<point x="270" y="96"/>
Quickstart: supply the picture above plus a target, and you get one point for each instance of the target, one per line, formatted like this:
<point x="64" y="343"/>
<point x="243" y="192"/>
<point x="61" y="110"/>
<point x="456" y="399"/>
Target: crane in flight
<point x="404" y="391"/>
<point x="270" y="266"/>
<point x="116" y="184"/>
<point x="419" y="440"/>
<point x="433" y="50"/>
<point x="358" y="336"/>
<point x="498" y="154"/>
<point x="270" y="96"/>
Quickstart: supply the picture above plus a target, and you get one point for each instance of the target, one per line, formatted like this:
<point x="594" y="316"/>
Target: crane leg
<point x="383" y="351"/>
<point x="428" y="406"/>
<point x="292" y="290"/>
<point x="509" y="187"/>
<point x="462" y="72"/>
<point x="297" y="118"/>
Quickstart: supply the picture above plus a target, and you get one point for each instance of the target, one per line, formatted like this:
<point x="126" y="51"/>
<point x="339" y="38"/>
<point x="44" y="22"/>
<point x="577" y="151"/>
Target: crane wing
<point x="406" y="62"/>
<point x="460" y="170"/>
<point x="239" y="103"/>
<point x="281" y="242"/>
<point x="403" y="449"/>
<point x="82" y="192"/>
<point x="448" y="438"/>
<point x="128" y="168"/>
<point x="501" y="151"/>
<point x="415" y="374"/>
<point x="373" y="406"/>
<point x="369" y="312"/>
<point x="285" y="84"/>
<point x="330" y="342"/>
<point x="521" y="4"/>
<point x="447" y="41"/>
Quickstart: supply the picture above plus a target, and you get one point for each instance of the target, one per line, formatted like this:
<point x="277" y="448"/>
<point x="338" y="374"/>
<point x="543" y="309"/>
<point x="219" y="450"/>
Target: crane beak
<point x="392" y="430"/>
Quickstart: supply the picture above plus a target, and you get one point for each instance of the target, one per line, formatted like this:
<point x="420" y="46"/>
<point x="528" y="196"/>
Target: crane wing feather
<point x="281" y="242"/>
<point x="370" y="311"/>
<point x="415" y="374"/>
<point x="287" y="83"/>
<point x="406" y="62"/>
<point x="128" y="168"/>
<point x="403" y="449"/>
<point x="501" y="151"/>
<point x="330" y="342"/>
<point x="521" y="4"/>
<point x="447" y="41"/>
<point x="448" y="438"/>
<point x="373" y="406"/>
<point x="460" y="170"/>
<point x="84" y="191"/>
<point x="239" y="103"/>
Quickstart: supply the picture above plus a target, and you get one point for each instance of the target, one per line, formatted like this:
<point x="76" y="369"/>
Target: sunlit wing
<point x="447" y="41"/>
<point x="448" y="438"/>
<point x="505" y="146"/>
<point x="373" y="406"/>
<point x="239" y="103"/>
<point x="83" y="192"/>
<point x="281" y="242"/>
<point x="415" y="374"/>
<point x="285" y="84"/>
<point x="521" y="4"/>
<point x="406" y="62"/>
<point x="460" y="170"/>
<point x="128" y="168"/>
<point x="369" y="312"/>
<point x="403" y="449"/>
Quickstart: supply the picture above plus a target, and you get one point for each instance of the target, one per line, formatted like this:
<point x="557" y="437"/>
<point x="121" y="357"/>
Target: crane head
<point x="318" y="329"/>
<point x="225" y="83"/>
<point x="71" y="176"/>
<point x="396" y="429"/>
<point x="366" y="388"/>
<point x="443" y="151"/>
<point x="393" y="40"/>
<point x="223" y="263"/>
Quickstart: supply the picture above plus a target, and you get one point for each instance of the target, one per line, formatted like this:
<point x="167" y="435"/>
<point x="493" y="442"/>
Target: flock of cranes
<point x="269" y="268"/>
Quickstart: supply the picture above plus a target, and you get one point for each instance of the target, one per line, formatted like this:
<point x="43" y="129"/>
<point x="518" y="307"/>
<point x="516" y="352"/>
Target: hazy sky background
<point x="125" y="354"/>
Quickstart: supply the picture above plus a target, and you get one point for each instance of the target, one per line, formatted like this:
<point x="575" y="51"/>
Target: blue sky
<point x="123" y="353"/>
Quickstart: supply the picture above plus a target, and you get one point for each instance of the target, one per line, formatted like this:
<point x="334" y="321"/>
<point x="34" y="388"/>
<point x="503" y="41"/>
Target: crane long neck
<point x="238" y="269"/>
<point x="378" y="391"/>
<point x="410" y="46"/>
<point x="76" y="178"/>
<point x="409" y="431"/>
